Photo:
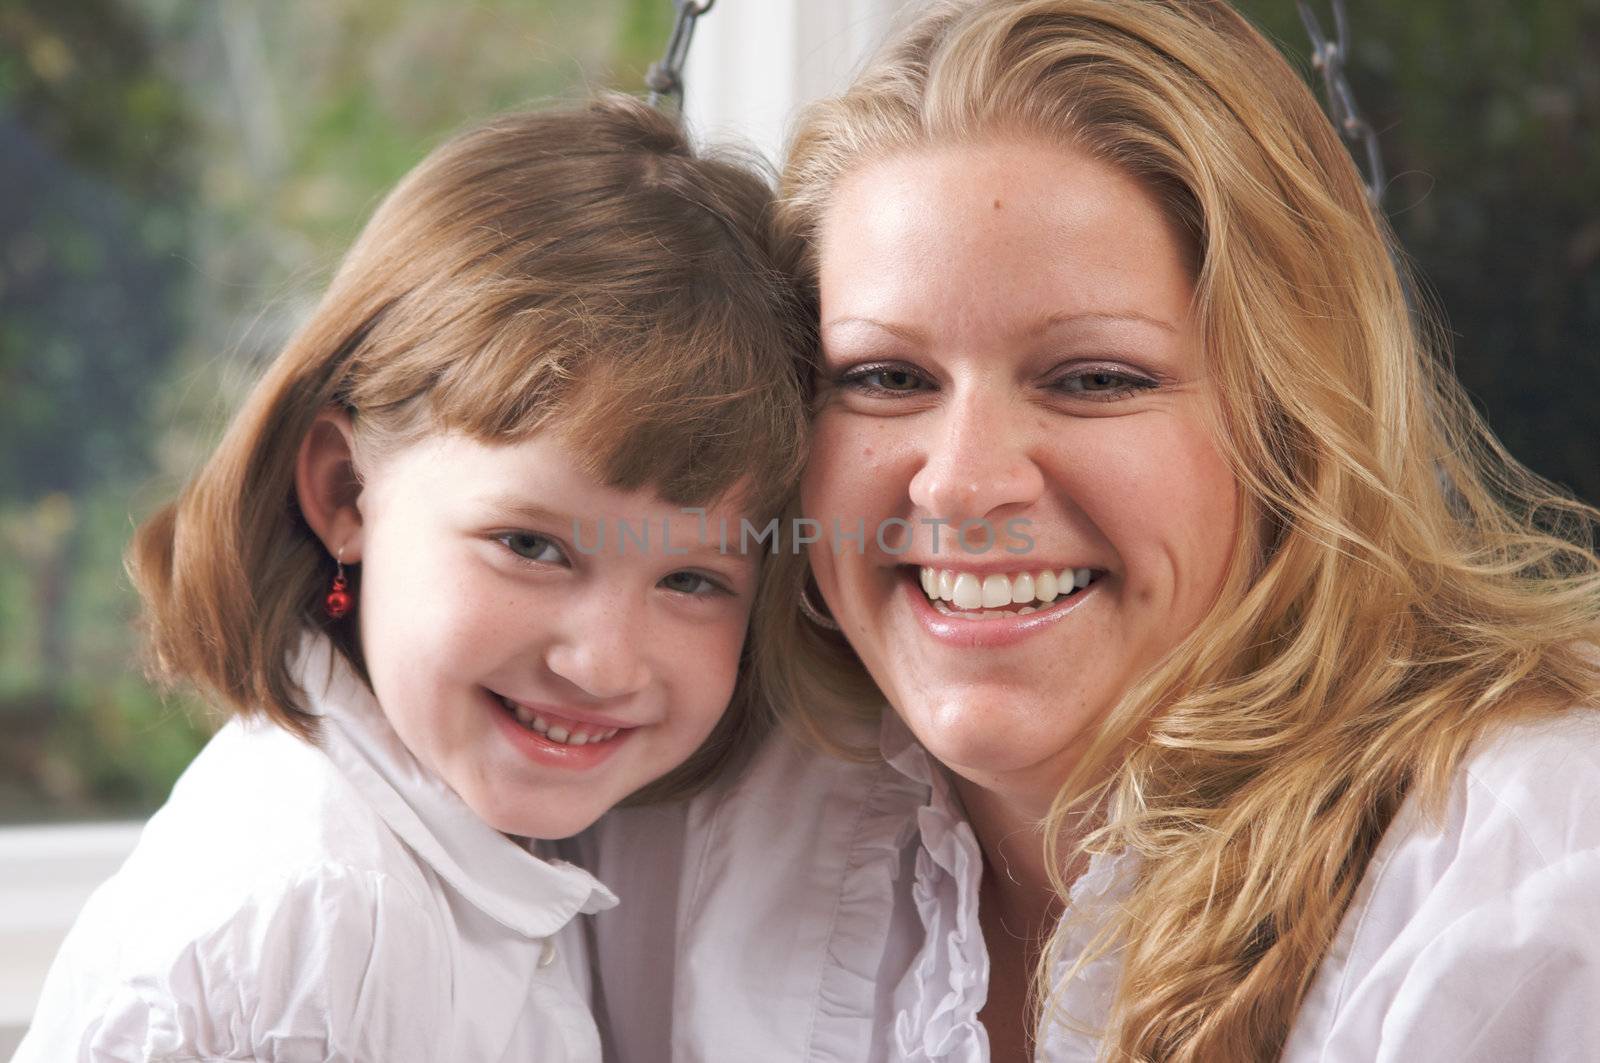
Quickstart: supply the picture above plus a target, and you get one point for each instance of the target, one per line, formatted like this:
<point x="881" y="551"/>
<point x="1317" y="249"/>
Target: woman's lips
<point x="1001" y="627"/>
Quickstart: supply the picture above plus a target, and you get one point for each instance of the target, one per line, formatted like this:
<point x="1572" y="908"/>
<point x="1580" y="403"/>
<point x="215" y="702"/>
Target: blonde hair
<point x="575" y="269"/>
<point x="1405" y="585"/>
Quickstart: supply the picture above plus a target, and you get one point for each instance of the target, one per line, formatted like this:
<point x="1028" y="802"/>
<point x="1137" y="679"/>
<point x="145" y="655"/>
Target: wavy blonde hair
<point x="1404" y="585"/>
<point x="579" y="269"/>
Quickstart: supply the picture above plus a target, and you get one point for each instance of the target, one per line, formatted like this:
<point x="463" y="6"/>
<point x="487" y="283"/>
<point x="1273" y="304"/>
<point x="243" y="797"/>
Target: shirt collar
<point x="943" y="1024"/>
<point x="502" y="878"/>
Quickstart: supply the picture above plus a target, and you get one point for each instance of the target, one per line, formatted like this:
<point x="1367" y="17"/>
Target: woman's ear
<point x="327" y="486"/>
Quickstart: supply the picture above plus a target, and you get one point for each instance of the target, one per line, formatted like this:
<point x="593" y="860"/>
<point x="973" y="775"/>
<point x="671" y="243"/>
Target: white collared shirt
<point x="828" y="912"/>
<point x="336" y="902"/>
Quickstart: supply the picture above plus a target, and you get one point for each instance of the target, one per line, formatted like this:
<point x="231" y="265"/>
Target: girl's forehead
<point x="541" y="476"/>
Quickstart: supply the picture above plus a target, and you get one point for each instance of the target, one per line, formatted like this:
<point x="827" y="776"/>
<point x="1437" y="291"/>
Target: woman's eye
<point x="691" y="583"/>
<point x="531" y="547"/>
<point x="1102" y="384"/>
<point x="884" y="379"/>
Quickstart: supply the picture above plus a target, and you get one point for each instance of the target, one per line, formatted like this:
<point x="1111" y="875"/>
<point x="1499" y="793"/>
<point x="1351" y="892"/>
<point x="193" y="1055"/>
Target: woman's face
<point x="1008" y="339"/>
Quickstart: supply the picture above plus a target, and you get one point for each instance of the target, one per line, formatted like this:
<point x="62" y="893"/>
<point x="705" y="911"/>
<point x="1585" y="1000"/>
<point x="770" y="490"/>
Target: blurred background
<point x="178" y="179"/>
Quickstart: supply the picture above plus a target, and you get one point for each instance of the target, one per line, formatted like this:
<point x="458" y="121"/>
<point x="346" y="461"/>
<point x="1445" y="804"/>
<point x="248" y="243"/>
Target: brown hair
<point x="579" y="269"/>
<point x="1406" y="586"/>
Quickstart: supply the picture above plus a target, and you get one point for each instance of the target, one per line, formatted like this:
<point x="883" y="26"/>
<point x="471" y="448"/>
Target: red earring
<point x="338" y="601"/>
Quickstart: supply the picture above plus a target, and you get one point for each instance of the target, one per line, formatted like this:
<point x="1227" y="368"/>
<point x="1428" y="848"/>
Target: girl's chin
<point x="508" y="811"/>
<point x="544" y="828"/>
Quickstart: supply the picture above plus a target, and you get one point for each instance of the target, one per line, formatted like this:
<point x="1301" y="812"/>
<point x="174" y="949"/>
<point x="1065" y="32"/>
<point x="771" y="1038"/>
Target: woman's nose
<point x="975" y="462"/>
<point x="601" y="654"/>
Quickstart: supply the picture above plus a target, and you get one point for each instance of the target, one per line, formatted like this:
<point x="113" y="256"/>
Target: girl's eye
<point x="532" y="547"/>
<point x="692" y="583"/>
<point x="1102" y="384"/>
<point x="884" y="380"/>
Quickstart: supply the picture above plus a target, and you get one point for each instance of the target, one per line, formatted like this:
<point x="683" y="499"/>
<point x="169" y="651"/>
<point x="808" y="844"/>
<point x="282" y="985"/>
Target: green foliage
<point x="641" y="40"/>
<point x="92" y="141"/>
<point x="108" y="748"/>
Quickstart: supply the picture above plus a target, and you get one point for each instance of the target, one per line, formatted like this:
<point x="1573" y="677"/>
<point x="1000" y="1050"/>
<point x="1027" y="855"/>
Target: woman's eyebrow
<point x="1098" y="316"/>
<point x="904" y="332"/>
<point x="1042" y="325"/>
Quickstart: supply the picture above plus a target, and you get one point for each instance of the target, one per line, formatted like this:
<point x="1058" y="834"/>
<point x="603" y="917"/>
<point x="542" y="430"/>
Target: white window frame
<point x="754" y="63"/>
<point x="46" y="874"/>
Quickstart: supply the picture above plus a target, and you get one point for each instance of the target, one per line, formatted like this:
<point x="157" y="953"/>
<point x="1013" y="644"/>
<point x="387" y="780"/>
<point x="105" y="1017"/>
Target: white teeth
<point x="969" y="593"/>
<point x="966" y="592"/>
<point x="555" y="732"/>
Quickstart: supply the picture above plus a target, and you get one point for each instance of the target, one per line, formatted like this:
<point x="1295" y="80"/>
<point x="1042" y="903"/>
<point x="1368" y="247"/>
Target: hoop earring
<point x="338" y="602"/>
<point x="811" y="612"/>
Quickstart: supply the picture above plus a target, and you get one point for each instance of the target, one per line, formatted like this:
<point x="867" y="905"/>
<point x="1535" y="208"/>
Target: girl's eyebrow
<point x="515" y="506"/>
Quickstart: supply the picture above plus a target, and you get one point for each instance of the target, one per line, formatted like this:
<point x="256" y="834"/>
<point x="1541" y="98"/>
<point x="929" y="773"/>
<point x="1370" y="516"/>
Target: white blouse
<point x="824" y="911"/>
<point x="338" y="902"/>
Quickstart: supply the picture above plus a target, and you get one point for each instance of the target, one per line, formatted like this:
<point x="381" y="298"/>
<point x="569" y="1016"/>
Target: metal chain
<point x="665" y="78"/>
<point x="1329" y="57"/>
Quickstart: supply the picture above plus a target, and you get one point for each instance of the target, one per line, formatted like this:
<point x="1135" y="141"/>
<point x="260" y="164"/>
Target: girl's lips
<point x="573" y="720"/>
<point x="995" y="632"/>
<point x="546" y="751"/>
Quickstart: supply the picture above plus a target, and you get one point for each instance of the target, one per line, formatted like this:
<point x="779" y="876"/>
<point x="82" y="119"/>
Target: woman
<point x="1254" y="719"/>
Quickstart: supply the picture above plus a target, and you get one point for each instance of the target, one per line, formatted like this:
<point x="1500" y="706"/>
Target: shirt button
<point x="547" y="952"/>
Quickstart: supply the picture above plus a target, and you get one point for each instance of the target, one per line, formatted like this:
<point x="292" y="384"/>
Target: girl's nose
<point x="975" y="462"/>
<point x="600" y="656"/>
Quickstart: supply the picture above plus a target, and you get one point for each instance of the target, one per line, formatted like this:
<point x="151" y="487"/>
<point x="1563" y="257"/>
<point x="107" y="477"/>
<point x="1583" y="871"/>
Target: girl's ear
<point x="327" y="486"/>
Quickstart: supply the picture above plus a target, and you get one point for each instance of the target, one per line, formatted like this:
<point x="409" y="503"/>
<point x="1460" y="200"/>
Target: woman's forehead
<point x="1015" y="237"/>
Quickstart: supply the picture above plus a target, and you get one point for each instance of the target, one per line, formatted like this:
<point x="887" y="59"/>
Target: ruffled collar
<point x="937" y="1003"/>
<point x="502" y="878"/>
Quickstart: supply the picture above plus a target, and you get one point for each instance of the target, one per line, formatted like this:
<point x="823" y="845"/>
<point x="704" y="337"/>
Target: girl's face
<point x="542" y="675"/>
<point x="1007" y="337"/>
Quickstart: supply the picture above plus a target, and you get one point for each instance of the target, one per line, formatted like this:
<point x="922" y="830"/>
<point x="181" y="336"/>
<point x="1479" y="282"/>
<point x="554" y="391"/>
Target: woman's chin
<point x="989" y="735"/>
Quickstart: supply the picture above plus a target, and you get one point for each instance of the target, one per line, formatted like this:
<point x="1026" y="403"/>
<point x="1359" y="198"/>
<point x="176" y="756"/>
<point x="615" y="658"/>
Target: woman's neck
<point x="1017" y="910"/>
<point x="1017" y="889"/>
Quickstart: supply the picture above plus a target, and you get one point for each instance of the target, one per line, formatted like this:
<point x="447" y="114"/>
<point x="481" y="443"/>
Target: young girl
<point x="446" y="570"/>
